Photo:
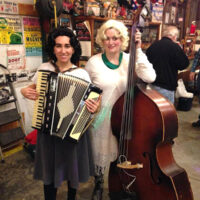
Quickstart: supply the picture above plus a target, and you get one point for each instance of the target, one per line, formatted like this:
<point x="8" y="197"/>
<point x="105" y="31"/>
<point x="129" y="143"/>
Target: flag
<point x="157" y="1"/>
<point x="135" y="5"/>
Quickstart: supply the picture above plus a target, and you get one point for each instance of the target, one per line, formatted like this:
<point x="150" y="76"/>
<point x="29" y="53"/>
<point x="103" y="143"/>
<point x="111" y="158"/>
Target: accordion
<point x="60" y="109"/>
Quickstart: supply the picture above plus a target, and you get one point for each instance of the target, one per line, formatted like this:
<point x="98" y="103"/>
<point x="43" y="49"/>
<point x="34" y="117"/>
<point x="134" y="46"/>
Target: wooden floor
<point x="16" y="182"/>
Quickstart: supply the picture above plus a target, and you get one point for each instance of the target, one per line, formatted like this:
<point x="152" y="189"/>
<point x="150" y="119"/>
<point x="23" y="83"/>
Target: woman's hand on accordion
<point x="30" y="92"/>
<point x="93" y="106"/>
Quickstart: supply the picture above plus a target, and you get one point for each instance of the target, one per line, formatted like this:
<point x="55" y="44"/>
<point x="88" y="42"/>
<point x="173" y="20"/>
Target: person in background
<point x="195" y="64"/>
<point x="59" y="159"/>
<point x="167" y="58"/>
<point x="109" y="70"/>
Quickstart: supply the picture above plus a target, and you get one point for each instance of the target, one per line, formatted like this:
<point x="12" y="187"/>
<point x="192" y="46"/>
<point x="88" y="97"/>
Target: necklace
<point x="109" y="64"/>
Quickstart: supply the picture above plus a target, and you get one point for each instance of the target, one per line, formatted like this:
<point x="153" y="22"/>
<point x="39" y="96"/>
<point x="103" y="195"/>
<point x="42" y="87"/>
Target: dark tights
<point x="50" y="192"/>
<point x="71" y="192"/>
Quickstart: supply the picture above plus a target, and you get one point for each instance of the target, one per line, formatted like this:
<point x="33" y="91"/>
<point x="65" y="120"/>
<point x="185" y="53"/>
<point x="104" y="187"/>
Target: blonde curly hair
<point x="113" y="24"/>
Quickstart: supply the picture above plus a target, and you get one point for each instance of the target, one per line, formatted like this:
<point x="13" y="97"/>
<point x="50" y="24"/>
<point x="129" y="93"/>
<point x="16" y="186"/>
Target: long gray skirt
<point x="58" y="160"/>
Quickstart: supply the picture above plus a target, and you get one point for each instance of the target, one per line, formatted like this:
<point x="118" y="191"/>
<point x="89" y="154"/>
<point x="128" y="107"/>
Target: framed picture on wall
<point x="65" y="21"/>
<point x="157" y="13"/>
<point x="170" y="13"/>
<point x="173" y="15"/>
<point x="150" y="34"/>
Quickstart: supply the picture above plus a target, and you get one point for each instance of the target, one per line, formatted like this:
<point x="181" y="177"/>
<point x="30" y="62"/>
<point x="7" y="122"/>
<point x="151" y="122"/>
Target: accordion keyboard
<point x="41" y="88"/>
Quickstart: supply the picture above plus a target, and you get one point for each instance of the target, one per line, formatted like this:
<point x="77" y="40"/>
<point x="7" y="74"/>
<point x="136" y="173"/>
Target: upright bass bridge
<point x="128" y="165"/>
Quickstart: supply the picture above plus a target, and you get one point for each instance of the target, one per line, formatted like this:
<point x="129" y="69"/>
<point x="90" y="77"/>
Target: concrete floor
<point x="187" y="147"/>
<point x="16" y="182"/>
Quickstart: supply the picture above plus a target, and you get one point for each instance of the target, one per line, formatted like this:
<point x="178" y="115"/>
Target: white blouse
<point x="113" y="83"/>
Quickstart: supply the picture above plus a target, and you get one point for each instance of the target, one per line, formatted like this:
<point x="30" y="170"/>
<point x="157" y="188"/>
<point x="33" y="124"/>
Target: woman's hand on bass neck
<point x="138" y="40"/>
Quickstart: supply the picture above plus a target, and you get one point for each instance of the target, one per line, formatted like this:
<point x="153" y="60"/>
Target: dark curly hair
<point x="63" y="31"/>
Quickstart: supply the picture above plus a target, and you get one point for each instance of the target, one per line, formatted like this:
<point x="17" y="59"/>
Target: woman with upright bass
<point x="145" y="123"/>
<point x="109" y="70"/>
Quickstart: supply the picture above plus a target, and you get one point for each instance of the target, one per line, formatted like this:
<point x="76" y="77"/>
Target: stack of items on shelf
<point x="102" y="8"/>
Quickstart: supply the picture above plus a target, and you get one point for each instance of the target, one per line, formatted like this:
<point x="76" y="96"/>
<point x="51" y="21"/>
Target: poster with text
<point x="8" y="7"/>
<point x="10" y="30"/>
<point x="15" y="58"/>
<point x="32" y="36"/>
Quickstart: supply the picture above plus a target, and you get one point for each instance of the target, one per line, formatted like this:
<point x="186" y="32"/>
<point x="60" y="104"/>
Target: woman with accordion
<point x="59" y="159"/>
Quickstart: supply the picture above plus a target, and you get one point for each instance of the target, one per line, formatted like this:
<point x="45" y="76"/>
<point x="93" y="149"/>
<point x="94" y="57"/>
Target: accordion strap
<point x="89" y="123"/>
<point x="56" y="67"/>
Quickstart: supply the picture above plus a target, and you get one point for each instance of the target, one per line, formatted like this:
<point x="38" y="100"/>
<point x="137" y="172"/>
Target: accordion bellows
<point x="60" y="109"/>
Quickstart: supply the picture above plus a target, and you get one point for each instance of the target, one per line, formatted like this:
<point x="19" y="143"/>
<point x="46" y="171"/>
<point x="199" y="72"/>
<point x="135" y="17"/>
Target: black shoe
<point x="98" y="189"/>
<point x="97" y="194"/>
<point x="50" y="192"/>
<point x="196" y="124"/>
<point x="71" y="195"/>
<point x="71" y="198"/>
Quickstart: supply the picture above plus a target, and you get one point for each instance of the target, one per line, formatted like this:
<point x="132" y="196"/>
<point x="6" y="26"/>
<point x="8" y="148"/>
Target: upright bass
<point x="145" y="124"/>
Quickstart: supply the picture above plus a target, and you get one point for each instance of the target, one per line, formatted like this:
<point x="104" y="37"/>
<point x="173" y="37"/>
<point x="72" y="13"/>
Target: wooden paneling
<point x="27" y="9"/>
<point x="11" y="125"/>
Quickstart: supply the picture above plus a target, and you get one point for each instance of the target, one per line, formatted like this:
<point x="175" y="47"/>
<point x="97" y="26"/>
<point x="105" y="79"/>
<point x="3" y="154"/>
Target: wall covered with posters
<point x="20" y="51"/>
<point x="20" y="38"/>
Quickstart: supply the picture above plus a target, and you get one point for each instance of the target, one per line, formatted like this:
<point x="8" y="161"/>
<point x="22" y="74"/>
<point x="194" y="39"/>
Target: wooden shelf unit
<point x="151" y="33"/>
<point x="92" y="20"/>
<point x="11" y="125"/>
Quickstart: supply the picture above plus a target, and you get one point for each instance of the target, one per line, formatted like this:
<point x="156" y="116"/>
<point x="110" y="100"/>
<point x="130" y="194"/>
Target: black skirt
<point x="58" y="160"/>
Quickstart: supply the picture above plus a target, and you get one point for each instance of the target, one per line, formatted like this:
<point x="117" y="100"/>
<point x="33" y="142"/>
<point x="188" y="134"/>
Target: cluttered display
<point x="116" y="9"/>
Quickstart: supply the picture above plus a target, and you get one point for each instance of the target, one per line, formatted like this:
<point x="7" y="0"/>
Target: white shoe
<point x="181" y="90"/>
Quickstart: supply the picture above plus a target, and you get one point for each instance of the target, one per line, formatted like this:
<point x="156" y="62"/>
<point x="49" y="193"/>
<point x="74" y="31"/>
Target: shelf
<point x="11" y="126"/>
<point x="9" y="101"/>
<point x="9" y="116"/>
<point x="11" y="136"/>
<point x="90" y="24"/>
<point x="126" y="21"/>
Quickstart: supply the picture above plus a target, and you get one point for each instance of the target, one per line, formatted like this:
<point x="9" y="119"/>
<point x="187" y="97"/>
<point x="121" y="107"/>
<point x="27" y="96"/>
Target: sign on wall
<point x="15" y="57"/>
<point x="10" y="30"/>
<point x="32" y="36"/>
<point x="157" y="12"/>
<point x="8" y="7"/>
